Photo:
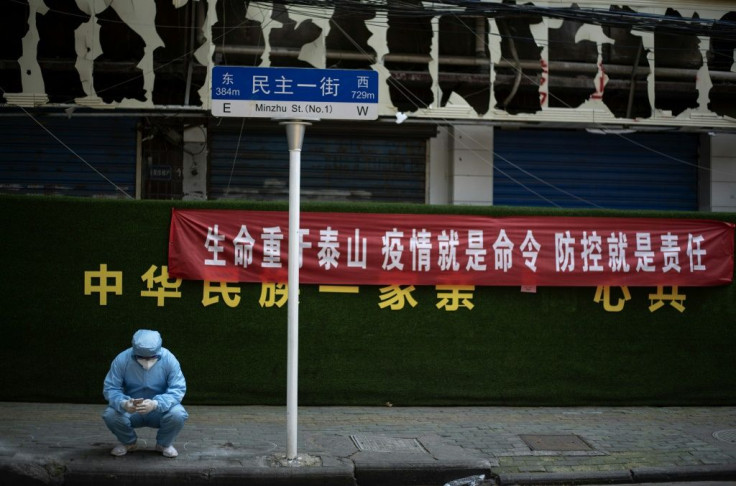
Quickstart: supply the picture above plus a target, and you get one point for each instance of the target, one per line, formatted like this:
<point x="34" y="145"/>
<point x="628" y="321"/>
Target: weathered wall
<point x="450" y="66"/>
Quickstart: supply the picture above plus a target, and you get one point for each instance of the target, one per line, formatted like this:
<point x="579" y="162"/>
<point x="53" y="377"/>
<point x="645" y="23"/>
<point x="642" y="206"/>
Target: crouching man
<point x="144" y="388"/>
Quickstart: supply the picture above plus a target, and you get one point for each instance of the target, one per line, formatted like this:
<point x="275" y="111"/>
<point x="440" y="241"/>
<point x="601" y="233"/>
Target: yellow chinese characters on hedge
<point x="105" y="282"/>
<point x="160" y="286"/>
<point x="656" y="300"/>
<point x="450" y="298"/>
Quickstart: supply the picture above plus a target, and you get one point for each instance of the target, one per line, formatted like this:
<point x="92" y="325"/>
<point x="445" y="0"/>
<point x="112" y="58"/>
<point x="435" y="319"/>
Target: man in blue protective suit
<point x="144" y="388"/>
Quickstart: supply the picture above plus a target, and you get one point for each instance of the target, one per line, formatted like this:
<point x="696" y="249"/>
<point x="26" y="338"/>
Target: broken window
<point x="179" y="76"/>
<point x="143" y="53"/>
<point x="56" y="50"/>
<point x="291" y="37"/>
<point x="14" y="29"/>
<point x="677" y="57"/>
<point x="573" y="66"/>
<point x="627" y="67"/>
<point x="238" y="40"/>
<point x="116" y="72"/>
<point x="347" y="43"/>
<point x="464" y="66"/>
<point x="720" y="64"/>
<point x="409" y="40"/>
<point x="519" y="71"/>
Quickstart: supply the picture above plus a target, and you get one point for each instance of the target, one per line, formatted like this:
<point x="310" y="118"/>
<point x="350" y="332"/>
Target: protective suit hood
<point x="146" y="343"/>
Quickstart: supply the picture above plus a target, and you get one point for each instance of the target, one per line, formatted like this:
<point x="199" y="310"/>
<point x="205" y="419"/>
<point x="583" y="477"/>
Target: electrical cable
<point x="235" y="156"/>
<point x="408" y="93"/>
<point x="71" y="150"/>
<point x="621" y="135"/>
<point x="719" y="28"/>
<point x="410" y="10"/>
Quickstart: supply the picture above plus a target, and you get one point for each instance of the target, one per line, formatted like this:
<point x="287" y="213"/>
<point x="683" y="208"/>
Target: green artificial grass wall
<point x="554" y="347"/>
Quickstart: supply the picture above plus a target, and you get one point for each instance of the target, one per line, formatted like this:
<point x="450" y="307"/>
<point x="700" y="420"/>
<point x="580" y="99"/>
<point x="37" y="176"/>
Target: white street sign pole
<point x="294" y="95"/>
<point x="295" y="136"/>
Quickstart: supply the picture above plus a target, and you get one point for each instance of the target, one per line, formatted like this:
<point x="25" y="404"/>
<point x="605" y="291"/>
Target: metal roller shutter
<point x="337" y="168"/>
<point x="577" y="169"/>
<point x="33" y="162"/>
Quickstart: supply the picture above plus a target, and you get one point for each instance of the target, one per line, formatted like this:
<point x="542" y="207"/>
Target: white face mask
<point x="147" y="363"/>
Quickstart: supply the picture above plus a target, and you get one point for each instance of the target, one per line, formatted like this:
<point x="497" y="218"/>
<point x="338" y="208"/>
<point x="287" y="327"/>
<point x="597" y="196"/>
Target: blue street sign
<point x="294" y="93"/>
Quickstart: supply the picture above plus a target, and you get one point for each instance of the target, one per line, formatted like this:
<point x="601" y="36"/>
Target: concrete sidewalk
<point x="69" y="444"/>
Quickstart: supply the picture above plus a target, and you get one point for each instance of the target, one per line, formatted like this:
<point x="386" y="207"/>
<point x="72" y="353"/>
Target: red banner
<point x="439" y="249"/>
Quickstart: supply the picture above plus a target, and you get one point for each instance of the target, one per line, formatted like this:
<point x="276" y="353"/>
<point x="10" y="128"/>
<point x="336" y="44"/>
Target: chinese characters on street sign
<point x="294" y="93"/>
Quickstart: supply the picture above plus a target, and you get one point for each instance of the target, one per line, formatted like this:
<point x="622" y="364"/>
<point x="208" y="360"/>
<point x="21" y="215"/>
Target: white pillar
<point x="472" y="165"/>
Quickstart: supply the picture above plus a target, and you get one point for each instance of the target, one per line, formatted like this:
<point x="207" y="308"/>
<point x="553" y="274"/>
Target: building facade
<point x="589" y="104"/>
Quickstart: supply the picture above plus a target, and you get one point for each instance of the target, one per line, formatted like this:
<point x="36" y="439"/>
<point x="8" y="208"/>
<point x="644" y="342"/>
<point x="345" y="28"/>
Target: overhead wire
<point x="410" y="10"/>
<point x="240" y="135"/>
<point x="726" y="30"/>
<point x="546" y="43"/>
<point x="59" y="140"/>
<point x="75" y="153"/>
<point x="71" y="150"/>
<point x="519" y="167"/>
<point x="621" y="135"/>
<point x="720" y="28"/>
<point x="408" y="93"/>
